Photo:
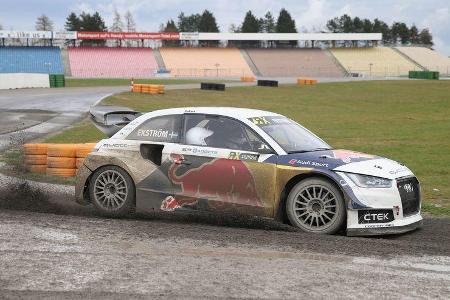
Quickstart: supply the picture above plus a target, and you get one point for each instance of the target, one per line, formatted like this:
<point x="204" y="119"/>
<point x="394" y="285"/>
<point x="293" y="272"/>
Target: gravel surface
<point x="71" y="253"/>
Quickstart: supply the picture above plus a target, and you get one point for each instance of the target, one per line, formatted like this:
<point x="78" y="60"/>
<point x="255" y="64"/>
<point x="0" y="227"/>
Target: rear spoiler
<point x="110" y="119"/>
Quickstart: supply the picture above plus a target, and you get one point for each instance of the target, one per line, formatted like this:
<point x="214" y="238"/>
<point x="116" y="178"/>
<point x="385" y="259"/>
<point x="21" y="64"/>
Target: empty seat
<point x="31" y="60"/>
<point x="205" y="62"/>
<point x="294" y="62"/>
<point x="92" y="62"/>
<point x="428" y="58"/>
<point x="376" y="61"/>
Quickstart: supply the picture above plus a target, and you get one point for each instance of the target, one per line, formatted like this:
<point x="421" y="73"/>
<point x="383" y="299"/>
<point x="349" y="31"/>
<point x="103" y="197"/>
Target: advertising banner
<point x="9" y="34"/>
<point x="85" y="35"/>
<point x="65" y="35"/>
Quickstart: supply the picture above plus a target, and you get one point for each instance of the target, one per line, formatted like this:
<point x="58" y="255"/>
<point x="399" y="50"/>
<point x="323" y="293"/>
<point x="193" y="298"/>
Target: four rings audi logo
<point x="408" y="187"/>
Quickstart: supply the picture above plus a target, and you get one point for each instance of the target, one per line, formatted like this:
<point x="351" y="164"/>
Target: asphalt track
<point x="52" y="248"/>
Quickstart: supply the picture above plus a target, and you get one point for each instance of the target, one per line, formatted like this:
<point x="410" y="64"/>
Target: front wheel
<point x="316" y="205"/>
<point x="112" y="192"/>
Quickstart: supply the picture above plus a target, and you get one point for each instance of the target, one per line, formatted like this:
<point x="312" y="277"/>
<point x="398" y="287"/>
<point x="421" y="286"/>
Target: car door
<point x="155" y="139"/>
<point x="218" y="167"/>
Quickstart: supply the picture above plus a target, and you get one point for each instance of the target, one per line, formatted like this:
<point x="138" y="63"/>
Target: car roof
<point x="234" y="112"/>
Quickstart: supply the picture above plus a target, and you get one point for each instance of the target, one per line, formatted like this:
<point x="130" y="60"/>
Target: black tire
<point x="117" y="197"/>
<point x="316" y="205"/>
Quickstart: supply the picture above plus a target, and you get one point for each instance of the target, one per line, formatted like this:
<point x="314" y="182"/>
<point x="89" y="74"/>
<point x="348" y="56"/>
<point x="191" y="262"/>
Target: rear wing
<point x="110" y="119"/>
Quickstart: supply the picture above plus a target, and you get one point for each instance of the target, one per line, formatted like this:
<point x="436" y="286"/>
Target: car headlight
<point x="367" y="181"/>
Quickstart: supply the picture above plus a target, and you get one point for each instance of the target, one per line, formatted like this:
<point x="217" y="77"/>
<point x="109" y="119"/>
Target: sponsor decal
<point x="199" y="151"/>
<point x="221" y="179"/>
<point x="242" y="156"/>
<point x="400" y="170"/>
<point x="170" y="203"/>
<point x="307" y="163"/>
<point x="263" y="121"/>
<point x="347" y="156"/>
<point x="117" y="145"/>
<point x="259" y="121"/>
<point x="366" y="216"/>
<point x="158" y="133"/>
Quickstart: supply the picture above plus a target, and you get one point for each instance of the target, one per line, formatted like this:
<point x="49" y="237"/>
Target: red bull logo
<point x="223" y="180"/>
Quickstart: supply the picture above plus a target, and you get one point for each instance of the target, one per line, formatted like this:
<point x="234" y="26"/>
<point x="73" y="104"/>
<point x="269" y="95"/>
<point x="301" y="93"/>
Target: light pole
<point x="217" y="69"/>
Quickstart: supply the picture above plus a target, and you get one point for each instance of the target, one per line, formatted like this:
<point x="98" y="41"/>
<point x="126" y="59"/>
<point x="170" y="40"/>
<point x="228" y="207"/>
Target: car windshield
<point x="291" y="136"/>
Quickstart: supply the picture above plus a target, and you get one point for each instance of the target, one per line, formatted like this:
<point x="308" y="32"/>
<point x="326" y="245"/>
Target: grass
<point x="87" y="82"/>
<point x="83" y="132"/>
<point x="408" y="121"/>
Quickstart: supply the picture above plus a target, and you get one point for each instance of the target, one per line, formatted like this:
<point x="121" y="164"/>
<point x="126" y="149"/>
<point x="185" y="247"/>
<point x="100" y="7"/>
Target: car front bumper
<point x="395" y="227"/>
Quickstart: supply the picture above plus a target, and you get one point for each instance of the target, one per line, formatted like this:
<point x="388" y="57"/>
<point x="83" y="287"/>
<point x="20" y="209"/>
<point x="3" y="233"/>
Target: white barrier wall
<point x="23" y="80"/>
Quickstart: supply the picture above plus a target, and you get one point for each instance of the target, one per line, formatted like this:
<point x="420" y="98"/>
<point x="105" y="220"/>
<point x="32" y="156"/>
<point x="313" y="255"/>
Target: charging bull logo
<point x="221" y="181"/>
<point x="347" y="156"/>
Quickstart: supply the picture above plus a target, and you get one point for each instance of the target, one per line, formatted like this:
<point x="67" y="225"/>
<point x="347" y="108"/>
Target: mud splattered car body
<point x="182" y="158"/>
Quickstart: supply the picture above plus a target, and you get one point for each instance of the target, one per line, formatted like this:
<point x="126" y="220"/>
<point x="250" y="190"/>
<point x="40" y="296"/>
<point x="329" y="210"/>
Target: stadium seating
<point x="376" y="61"/>
<point x="112" y="62"/>
<point x="30" y="60"/>
<point x="428" y="58"/>
<point x="205" y="62"/>
<point x="294" y="62"/>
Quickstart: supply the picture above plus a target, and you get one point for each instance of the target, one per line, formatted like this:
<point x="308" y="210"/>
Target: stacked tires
<point x="35" y="158"/>
<point x="56" y="159"/>
<point x="82" y="152"/>
<point x="61" y="160"/>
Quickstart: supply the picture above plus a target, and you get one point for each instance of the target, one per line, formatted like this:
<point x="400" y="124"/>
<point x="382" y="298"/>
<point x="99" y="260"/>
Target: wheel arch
<point x="281" y="214"/>
<point x="86" y="195"/>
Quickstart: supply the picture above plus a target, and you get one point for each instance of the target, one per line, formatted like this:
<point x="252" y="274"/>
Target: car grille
<point x="409" y="190"/>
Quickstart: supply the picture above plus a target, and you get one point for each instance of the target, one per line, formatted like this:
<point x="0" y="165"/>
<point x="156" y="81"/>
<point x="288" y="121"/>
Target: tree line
<point x="398" y="33"/>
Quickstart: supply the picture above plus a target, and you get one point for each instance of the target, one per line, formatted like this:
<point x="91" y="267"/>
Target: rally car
<point x="243" y="161"/>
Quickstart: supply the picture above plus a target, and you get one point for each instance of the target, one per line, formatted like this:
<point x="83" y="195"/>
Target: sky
<point x="308" y="14"/>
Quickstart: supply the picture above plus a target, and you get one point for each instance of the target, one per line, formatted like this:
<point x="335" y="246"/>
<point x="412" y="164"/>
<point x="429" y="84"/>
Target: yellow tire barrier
<point x="248" y="79"/>
<point x="35" y="149"/>
<point x="41" y="169"/>
<point x="62" y="150"/>
<point x="306" y="81"/>
<point x="148" y="88"/>
<point x="83" y="150"/>
<point x="61" y="172"/>
<point x="35" y="159"/>
<point x="61" y="162"/>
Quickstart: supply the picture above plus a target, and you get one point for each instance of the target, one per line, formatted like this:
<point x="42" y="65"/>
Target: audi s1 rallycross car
<point x="243" y="161"/>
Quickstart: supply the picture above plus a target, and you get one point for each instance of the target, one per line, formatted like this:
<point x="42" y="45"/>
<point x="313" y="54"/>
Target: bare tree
<point x="130" y="25"/>
<point x="1" y="27"/>
<point x="117" y="25"/>
<point x="43" y="23"/>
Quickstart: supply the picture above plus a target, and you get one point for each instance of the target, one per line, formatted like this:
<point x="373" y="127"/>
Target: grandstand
<point x="30" y="60"/>
<point x="376" y="61"/>
<point x="427" y="58"/>
<point x="112" y="62"/>
<point x="205" y="62"/>
<point x="294" y="62"/>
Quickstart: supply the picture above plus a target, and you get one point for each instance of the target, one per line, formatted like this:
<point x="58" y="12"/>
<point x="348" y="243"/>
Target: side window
<point x="159" y="129"/>
<point x="219" y="132"/>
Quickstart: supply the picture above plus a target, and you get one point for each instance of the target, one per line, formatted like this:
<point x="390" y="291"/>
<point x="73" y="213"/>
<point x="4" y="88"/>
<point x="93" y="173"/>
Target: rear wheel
<point x="316" y="205"/>
<point x="112" y="192"/>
